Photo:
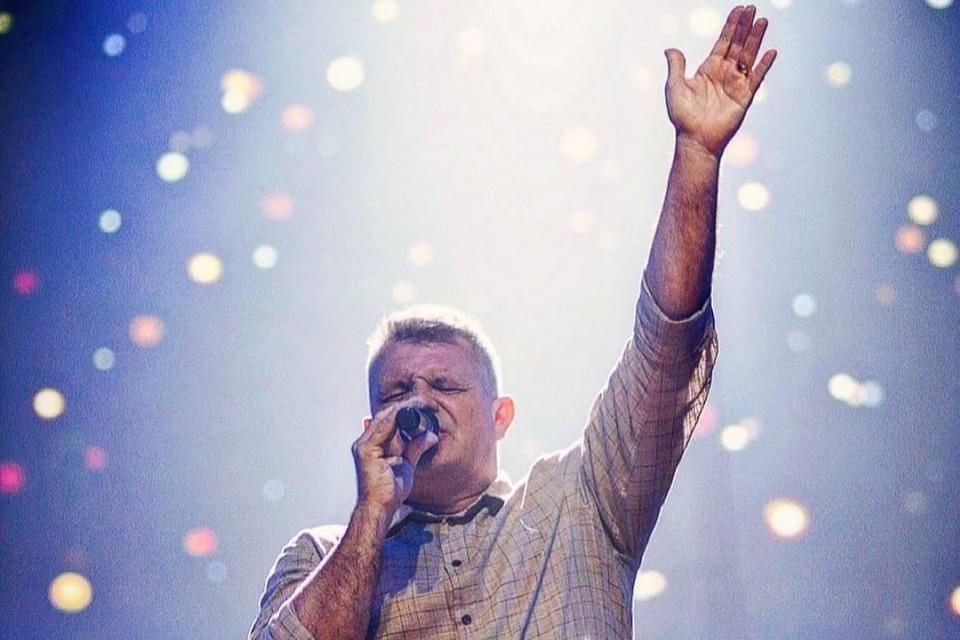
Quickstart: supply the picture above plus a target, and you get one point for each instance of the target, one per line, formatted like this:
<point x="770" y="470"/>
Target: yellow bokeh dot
<point x="705" y="22"/>
<point x="786" y="518"/>
<point x="421" y="254"/>
<point x="955" y="601"/>
<point x="942" y="253"/>
<point x="242" y="83"/>
<point x="172" y="166"/>
<point x="579" y="144"/>
<point x="49" y="403"/>
<point x="649" y="584"/>
<point x="753" y="196"/>
<point x="6" y="22"/>
<point x="385" y="11"/>
<point x="234" y="102"/>
<point x="70" y="592"/>
<point x="205" y="268"/>
<point x="839" y="74"/>
<point x="735" y="437"/>
<point x="923" y="210"/>
<point x="345" y="74"/>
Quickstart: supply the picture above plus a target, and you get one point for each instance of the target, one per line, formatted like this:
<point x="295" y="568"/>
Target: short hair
<point x="430" y="323"/>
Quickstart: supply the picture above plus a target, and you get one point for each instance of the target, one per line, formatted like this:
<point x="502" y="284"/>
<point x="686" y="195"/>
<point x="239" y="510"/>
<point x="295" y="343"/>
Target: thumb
<point x="676" y="65"/>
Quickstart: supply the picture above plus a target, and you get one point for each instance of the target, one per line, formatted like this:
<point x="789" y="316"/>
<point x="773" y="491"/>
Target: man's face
<point x="445" y="377"/>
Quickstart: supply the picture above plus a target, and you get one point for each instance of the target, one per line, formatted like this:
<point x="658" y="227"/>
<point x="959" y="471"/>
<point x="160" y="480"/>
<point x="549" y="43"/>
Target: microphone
<point x="413" y="422"/>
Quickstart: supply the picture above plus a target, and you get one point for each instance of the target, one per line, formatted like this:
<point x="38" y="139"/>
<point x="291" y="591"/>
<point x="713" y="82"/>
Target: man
<point x="437" y="545"/>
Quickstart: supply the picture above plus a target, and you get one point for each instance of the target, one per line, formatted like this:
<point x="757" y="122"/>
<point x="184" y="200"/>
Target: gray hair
<point x="429" y="323"/>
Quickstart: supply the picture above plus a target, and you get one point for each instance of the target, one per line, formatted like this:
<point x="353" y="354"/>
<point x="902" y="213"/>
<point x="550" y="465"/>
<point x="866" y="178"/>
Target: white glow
<point x="923" y="210"/>
<point x="804" y="305"/>
<point x="753" y="196"/>
<point x="786" y="518"/>
<point x="114" y="44"/>
<point x="384" y="11"/>
<point x="273" y="490"/>
<point x="781" y="4"/>
<point x="265" y="256"/>
<point x="172" y="166"/>
<point x="345" y="73"/>
<point x="234" y="102"/>
<point x="204" y="268"/>
<point x="649" y="584"/>
<point x="706" y="22"/>
<point x="843" y="387"/>
<point x="942" y="253"/>
<point x="839" y="74"/>
<point x="49" y="403"/>
<point x="735" y="437"/>
<point x="110" y="221"/>
<point x="940" y="4"/>
<point x="70" y="592"/>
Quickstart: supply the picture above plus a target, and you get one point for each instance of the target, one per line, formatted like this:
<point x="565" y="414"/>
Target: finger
<point x="726" y="34"/>
<point x="382" y="427"/>
<point x="761" y="69"/>
<point x="752" y="46"/>
<point x="676" y="65"/>
<point x="744" y="26"/>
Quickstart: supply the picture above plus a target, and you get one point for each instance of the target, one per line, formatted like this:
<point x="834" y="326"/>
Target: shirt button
<point x="466" y="619"/>
<point x="457" y="563"/>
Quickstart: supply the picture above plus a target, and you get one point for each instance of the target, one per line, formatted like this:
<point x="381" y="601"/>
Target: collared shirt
<point x="556" y="555"/>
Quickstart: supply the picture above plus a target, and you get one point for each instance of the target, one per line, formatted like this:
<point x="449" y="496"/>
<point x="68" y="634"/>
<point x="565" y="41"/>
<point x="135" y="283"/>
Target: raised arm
<point x="706" y="111"/>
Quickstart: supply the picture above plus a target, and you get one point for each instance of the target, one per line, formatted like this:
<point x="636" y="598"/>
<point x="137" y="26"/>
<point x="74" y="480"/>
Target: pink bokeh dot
<point x="26" y="282"/>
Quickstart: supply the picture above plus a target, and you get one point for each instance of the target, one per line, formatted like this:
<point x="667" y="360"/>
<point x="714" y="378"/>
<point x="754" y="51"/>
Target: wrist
<point x="690" y="146"/>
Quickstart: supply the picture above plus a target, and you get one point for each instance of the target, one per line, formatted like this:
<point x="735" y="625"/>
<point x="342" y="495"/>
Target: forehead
<point x="402" y="360"/>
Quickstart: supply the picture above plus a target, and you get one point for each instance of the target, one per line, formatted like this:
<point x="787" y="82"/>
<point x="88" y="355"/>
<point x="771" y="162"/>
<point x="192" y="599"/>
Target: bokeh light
<point x="649" y="584"/>
<point x="94" y="458"/>
<point x="297" y="117"/>
<point x="114" y="44"/>
<point x="26" y="282"/>
<point x="70" y="592"/>
<point x="736" y="437"/>
<point x="923" y="210"/>
<point x="110" y="221"/>
<point x="926" y="120"/>
<point x="804" y="305"/>
<point x="265" y="256"/>
<point x="49" y="403"/>
<point x="276" y="206"/>
<point x="579" y="144"/>
<point x="753" y="196"/>
<point x="216" y="572"/>
<point x="273" y="490"/>
<point x="384" y="11"/>
<point x="421" y="254"/>
<point x="204" y="268"/>
<point x="886" y="294"/>
<point x="172" y="166"/>
<point x="940" y="4"/>
<point x="942" y="253"/>
<point x="12" y="478"/>
<point x="403" y="293"/>
<point x="706" y="22"/>
<point x="104" y="358"/>
<point x="743" y="150"/>
<point x="240" y="89"/>
<point x="146" y="330"/>
<point x="839" y="74"/>
<point x="955" y="601"/>
<point x="345" y="73"/>
<point x="786" y="519"/>
<point x="200" y="542"/>
<point x="6" y="22"/>
<point x="909" y="239"/>
<point x="780" y="4"/>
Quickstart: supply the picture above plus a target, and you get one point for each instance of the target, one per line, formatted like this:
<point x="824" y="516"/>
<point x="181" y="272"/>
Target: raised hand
<point x="708" y="108"/>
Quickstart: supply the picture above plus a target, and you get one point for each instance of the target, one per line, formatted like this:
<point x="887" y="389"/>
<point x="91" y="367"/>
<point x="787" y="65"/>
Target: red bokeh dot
<point x="200" y="542"/>
<point x="26" y="282"/>
<point x="12" y="477"/>
<point x="277" y="206"/>
<point x="94" y="458"/>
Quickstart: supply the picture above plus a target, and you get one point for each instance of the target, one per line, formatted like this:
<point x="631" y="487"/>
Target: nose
<point x="424" y="394"/>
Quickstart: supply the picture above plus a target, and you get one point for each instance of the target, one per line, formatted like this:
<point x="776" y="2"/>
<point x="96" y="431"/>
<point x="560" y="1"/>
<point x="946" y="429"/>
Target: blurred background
<point x="207" y="207"/>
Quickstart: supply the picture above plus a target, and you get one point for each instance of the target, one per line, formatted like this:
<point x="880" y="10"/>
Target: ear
<point x="366" y="423"/>
<point x="503" y="412"/>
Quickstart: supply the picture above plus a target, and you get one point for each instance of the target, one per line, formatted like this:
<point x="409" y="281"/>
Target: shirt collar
<point x="492" y="500"/>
